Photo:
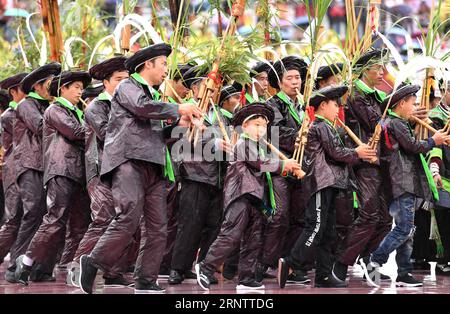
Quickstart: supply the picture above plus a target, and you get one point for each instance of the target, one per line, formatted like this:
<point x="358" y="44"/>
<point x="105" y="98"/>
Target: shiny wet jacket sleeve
<point x="408" y="143"/>
<point x="333" y="148"/>
<point x="66" y="124"/>
<point x="142" y="106"/>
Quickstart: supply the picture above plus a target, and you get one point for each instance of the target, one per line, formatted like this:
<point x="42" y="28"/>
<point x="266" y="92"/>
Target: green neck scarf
<point x="226" y="113"/>
<point x="249" y="98"/>
<point x="379" y="95"/>
<point x="65" y="103"/>
<point x="291" y="107"/>
<point x="13" y="105"/>
<point x="140" y="79"/>
<point x="103" y="96"/>
<point x="318" y="116"/>
<point x="273" y="205"/>
<point x="424" y="163"/>
<point x="35" y="96"/>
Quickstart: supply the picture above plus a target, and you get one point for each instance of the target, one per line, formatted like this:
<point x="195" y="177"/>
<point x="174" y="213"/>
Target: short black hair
<point x="16" y="88"/>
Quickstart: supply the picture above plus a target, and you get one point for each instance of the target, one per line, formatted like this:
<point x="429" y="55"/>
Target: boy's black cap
<point x="256" y="108"/>
<point x="327" y="93"/>
<point x="68" y="77"/>
<point x="104" y="69"/>
<point x="12" y="81"/>
<point x="402" y="91"/>
<point x="40" y="74"/>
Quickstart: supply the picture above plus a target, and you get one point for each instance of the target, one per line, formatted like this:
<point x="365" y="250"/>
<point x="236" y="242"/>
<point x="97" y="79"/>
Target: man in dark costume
<point x="12" y="95"/>
<point x="111" y="72"/>
<point x="133" y="160"/>
<point x="28" y="158"/>
<point x="64" y="174"/>
<point x="287" y="77"/>
<point x="200" y="210"/>
<point x="363" y="112"/>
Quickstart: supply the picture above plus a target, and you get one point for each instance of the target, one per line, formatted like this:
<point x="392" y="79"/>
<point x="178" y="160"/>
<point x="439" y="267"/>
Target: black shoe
<point x="164" y="271"/>
<point x="43" y="278"/>
<point x="250" y="285"/>
<point x="329" y="282"/>
<point x="298" y="277"/>
<point x="213" y="280"/>
<point x="340" y="271"/>
<point x="145" y="287"/>
<point x="228" y="274"/>
<point x="22" y="271"/>
<point x="202" y="277"/>
<point x="10" y="276"/>
<point x="283" y="272"/>
<point x="118" y="282"/>
<point x="88" y="272"/>
<point x="261" y="269"/>
<point x="189" y="274"/>
<point x="407" y="281"/>
<point x="175" y="277"/>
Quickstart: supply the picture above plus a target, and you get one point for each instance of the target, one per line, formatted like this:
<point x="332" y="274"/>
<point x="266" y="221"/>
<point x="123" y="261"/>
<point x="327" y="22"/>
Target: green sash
<point x="65" y="103"/>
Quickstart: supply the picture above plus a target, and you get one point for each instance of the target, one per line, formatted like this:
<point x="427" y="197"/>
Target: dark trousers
<point x="443" y="222"/>
<point x="275" y="230"/>
<point x="242" y="228"/>
<point x="344" y="219"/>
<point x="319" y="234"/>
<point x="373" y="222"/>
<point x="31" y="190"/>
<point x="138" y="190"/>
<point x="76" y="227"/>
<point x="62" y="206"/>
<point x="172" y="223"/>
<point x="13" y="213"/>
<point x="200" y="214"/>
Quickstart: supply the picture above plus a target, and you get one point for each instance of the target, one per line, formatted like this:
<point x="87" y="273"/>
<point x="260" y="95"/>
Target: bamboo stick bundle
<point x="372" y="22"/>
<point x="52" y="26"/>
<point x="213" y="81"/>
<point x="421" y="131"/>
<point x="299" y="174"/>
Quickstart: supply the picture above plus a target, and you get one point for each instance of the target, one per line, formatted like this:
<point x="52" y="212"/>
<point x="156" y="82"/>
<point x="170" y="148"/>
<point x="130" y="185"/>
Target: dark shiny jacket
<point x="134" y="130"/>
<point x="288" y="127"/>
<point x="363" y="111"/>
<point x="246" y="173"/>
<point x="438" y="122"/>
<point x="326" y="160"/>
<point x="7" y="122"/>
<point x="96" y="115"/>
<point x="63" y="145"/>
<point x="193" y="166"/>
<point x="401" y="158"/>
<point x="28" y="151"/>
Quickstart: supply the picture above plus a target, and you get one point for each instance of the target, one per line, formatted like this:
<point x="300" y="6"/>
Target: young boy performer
<point x="64" y="173"/>
<point x="409" y="179"/>
<point x="245" y="193"/>
<point x="325" y="162"/>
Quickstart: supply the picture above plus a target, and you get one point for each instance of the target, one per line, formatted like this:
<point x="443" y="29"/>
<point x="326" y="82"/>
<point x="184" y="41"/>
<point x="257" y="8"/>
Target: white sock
<point x="27" y="261"/>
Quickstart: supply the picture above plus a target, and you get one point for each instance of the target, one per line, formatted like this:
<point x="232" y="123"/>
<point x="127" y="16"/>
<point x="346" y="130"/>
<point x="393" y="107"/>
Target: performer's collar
<point x="13" y="105"/>
<point x="35" y="96"/>
<point x="379" y="95"/>
<point x="393" y="114"/>
<point x="105" y="96"/>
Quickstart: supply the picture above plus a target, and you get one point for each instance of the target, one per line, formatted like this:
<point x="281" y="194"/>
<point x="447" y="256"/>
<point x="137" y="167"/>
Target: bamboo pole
<point x="350" y="133"/>
<point x="126" y="31"/>
<point x="299" y="174"/>
<point x="52" y="26"/>
<point x="221" y="126"/>
<point x="372" y="22"/>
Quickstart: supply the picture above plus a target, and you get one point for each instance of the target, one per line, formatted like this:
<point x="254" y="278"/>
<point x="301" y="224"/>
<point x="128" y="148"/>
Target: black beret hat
<point x="286" y="64"/>
<point x="327" y="93"/>
<point x="147" y="53"/>
<point x="227" y="92"/>
<point x="182" y="68"/>
<point x="402" y="91"/>
<point x="104" y="69"/>
<point x="68" y="77"/>
<point x="12" y="81"/>
<point x="328" y="71"/>
<point x="92" y="90"/>
<point x="4" y="99"/>
<point x="259" y="68"/>
<point x="371" y="57"/>
<point x="193" y="75"/>
<point x="256" y="108"/>
<point x="40" y="74"/>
